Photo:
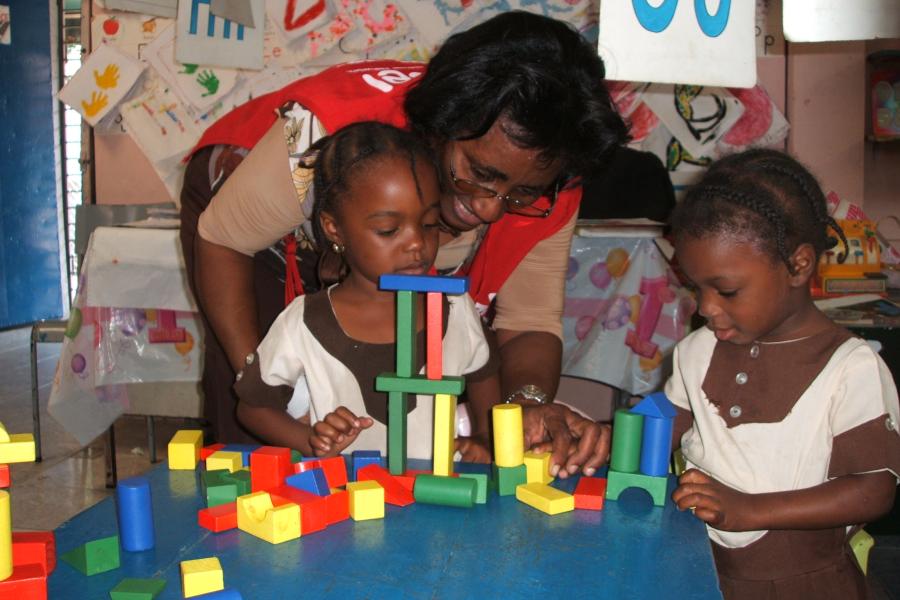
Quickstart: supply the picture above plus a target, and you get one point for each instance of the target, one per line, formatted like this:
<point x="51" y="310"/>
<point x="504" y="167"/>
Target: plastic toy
<point x="135" y="512"/>
<point x="201" y="576"/>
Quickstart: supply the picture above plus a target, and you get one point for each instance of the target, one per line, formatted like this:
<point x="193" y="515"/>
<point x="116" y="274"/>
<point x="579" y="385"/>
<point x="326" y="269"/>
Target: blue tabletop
<point x="502" y="549"/>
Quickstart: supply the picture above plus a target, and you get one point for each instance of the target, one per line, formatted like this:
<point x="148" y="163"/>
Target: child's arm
<point x="276" y="427"/>
<point x="847" y="500"/>
<point x="336" y="431"/>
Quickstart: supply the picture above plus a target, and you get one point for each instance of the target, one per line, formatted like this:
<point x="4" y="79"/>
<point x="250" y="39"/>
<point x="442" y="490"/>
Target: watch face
<point x="533" y="392"/>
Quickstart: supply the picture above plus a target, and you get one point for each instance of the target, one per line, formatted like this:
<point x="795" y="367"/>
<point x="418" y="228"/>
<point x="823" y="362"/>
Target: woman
<point x="516" y="109"/>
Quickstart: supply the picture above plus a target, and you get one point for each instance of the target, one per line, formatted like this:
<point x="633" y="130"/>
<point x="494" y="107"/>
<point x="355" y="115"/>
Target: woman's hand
<point x="336" y="431"/>
<point x="475" y="449"/>
<point x="576" y="442"/>
<point x="714" y="502"/>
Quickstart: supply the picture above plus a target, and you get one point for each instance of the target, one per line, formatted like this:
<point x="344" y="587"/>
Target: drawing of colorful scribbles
<point x="102" y="83"/>
<point x="202" y="38"/>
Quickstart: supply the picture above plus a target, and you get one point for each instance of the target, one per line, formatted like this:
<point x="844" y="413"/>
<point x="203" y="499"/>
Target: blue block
<point x="226" y="594"/>
<point x="135" y="513"/>
<point x="424" y="283"/>
<point x="656" y="404"/>
<point x="361" y="458"/>
<point x="312" y="481"/>
<point x="245" y="449"/>
<point x="656" y="446"/>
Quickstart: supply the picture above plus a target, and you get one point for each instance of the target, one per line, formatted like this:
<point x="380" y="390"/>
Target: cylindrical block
<point x="509" y="440"/>
<point x="226" y="594"/>
<point x="446" y="491"/>
<point x="135" y="514"/>
<point x="626" y="442"/>
<point x="6" y="562"/>
<point x="656" y="445"/>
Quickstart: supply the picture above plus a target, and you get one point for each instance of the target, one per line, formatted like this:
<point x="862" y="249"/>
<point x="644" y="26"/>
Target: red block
<point x="338" y="506"/>
<point x="34" y="547"/>
<point x="434" y="335"/>
<point x="269" y="466"/>
<point x="313" y="508"/>
<point x="218" y="518"/>
<point x="590" y="492"/>
<point x="4" y="476"/>
<point x="407" y="481"/>
<point x="394" y="492"/>
<point x="207" y="450"/>
<point x="335" y="469"/>
<point x="26" y="581"/>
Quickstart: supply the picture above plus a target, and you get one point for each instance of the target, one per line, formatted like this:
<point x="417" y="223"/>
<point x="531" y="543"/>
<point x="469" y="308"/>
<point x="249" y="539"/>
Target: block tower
<point x="642" y="442"/>
<point x="406" y="381"/>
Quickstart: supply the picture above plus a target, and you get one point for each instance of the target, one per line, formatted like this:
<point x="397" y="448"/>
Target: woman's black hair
<point x="764" y="196"/>
<point x="540" y="75"/>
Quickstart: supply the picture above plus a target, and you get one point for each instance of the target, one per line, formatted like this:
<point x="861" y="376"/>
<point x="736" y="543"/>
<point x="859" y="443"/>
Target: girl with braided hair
<point x="787" y="421"/>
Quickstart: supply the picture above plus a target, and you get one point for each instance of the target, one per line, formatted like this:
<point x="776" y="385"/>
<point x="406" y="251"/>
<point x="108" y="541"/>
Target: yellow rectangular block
<point x="545" y="498"/>
<point x="257" y="516"/>
<point x="444" y="433"/>
<point x="184" y="449"/>
<point x="201" y="576"/>
<point x="366" y="500"/>
<point x="537" y="466"/>
<point x="4" y="437"/>
<point x="6" y="557"/>
<point x="232" y="461"/>
<point x="19" y="448"/>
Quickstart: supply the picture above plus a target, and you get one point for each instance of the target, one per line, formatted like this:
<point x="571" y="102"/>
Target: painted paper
<point x="205" y="39"/>
<point x="129" y="32"/>
<point x="295" y="18"/>
<point x="761" y="125"/>
<point x="102" y="82"/>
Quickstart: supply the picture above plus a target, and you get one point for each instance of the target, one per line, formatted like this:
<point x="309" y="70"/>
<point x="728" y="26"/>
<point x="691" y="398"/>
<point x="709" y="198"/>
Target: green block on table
<point x="507" y="478"/>
<point x="617" y="482"/>
<point x="406" y="333"/>
<point x="137" y="589"/>
<point x="221" y="494"/>
<point x="210" y="479"/>
<point x="296" y="456"/>
<point x="481" y="485"/>
<point x="396" y="450"/>
<point x="419" y="384"/>
<point x="241" y="479"/>
<point x="96" y="556"/>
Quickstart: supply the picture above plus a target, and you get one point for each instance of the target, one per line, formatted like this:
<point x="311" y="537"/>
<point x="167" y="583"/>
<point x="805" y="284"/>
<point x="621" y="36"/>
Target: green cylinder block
<point x="626" y="442"/>
<point x="446" y="491"/>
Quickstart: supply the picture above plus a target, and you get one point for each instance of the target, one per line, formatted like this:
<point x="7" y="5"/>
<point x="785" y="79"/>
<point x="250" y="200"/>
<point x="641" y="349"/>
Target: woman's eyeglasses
<point x="527" y="205"/>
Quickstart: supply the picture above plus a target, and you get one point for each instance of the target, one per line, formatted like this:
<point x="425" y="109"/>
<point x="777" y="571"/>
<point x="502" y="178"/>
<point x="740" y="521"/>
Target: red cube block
<point x="218" y="518"/>
<point x="589" y="493"/>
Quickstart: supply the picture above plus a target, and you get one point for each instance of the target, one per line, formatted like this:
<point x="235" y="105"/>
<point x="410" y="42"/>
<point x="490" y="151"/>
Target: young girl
<point x="376" y="211"/>
<point x="789" y="421"/>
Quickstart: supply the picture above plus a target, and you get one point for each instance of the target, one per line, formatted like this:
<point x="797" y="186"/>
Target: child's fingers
<point x="320" y="443"/>
<point x="694" y="476"/>
<point x="343" y="420"/>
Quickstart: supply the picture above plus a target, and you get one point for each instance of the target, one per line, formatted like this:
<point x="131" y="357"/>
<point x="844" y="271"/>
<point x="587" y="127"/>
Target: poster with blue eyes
<point x="696" y="42"/>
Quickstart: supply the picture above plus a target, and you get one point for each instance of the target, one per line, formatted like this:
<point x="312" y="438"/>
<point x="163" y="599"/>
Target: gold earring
<point x="338" y="248"/>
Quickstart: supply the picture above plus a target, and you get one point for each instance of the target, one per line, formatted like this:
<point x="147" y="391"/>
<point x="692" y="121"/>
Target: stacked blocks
<point x="537" y="467"/>
<point x="257" y="515"/>
<point x="509" y="468"/>
<point x="230" y="461"/>
<point x="366" y="500"/>
<point x="201" y="576"/>
<point x="96" y="556"/>
<point x="184" y="449"/>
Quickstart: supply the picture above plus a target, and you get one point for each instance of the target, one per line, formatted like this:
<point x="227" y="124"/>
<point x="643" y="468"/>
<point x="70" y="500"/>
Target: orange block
<point x="335" y="469"/>
<point x="269" y="465"/>
<point x="394" y="492"/>
<point x="4" y="476"/>
<point x="338" y="507"/>
<point x="589" y="493"/>
<point x="407" y="481"/>
<point x="218" y="518"/>
<point x="34" y="547"/>
<point x="434" y="335"/>
<point x="26" y="581"/>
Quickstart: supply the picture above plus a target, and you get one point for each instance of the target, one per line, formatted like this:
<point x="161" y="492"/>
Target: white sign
<point x="700" y="42"/>
<point x="834" y="20"/>
<point x="205" y="39"/>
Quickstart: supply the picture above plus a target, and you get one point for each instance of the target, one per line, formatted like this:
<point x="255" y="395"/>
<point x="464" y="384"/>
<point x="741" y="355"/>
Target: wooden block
<point x="217" y="519"/>
<point x="406" y="333"/>
<point x="617" y="482"/>
<point x="589" y="493"/>
<point x="362" y="458"/>
<point x="338" y="506"/>
<point x="26" y="581"/>
<point x="230" y="461"/>
<point x="394" y="492"/>
<point x="96" y="556"/>
<point x="34" y="547"/>
<point x="366" y="500"/>
<point x="407" y="481"/>
<point x="217" y="488"/>
<point x="313" y="509"/>
<point x="211" y="449"/>
<point x="419" y="384"/>
<point x="6" y="549"/>
<point x="509" y="437"/>
<point x="245" y="449"/>
<point x="257" y="515"/>
<point x="335" y="469"/>
<point x="434" y="336"/>
<point x="269" y="465"/>
<point x="137" y="589"/>
<point x="545" y="498"/>
<point x="19" y="448"/>
<point x="508" y="478"/>
<point x="5" y="479"/>
<point x="4" y="435"/>
<point x="444" y="433"/>
<point x="424" y="283"/>
<point x="184" y="449"/>
<point x="398" y="406"/>
<point x="481" y="485"/>
<point x="201" y="576"/>
<point x="241" y="479"/>
<point x="538" y="467"/>
<point x="312" y="481"/>
<point x="446" y="491"/>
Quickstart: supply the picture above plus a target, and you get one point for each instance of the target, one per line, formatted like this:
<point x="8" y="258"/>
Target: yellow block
<point x="201" y="576"/>
<point x="19" y="448"/>
<point x="232" y="461"/>
<point x="4" y="437"/>
<point x="257" y="516"/>
<point x="444" y="433"/>
<point x="184" y="449"/>
<point x="366" y="500"/>
<point x="538" y="467"/>
<point x="545" y="498"/>
<point x="509" y="440"/>
<point x="6" y="562"/>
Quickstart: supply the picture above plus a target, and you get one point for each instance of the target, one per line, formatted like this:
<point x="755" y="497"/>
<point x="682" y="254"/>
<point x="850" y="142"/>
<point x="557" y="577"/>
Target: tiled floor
<point x="70" y="479"/>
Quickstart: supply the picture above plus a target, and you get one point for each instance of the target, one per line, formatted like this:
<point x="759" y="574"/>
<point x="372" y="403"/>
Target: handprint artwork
<point x="109" y="78"/>
<point x="98" y="102"/>
<point x="104" y="79"/>
<point x="208" y="80"/>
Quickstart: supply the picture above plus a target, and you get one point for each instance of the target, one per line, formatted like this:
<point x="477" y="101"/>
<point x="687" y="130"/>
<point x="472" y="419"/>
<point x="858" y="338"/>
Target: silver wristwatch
<point x="530" y="392"/>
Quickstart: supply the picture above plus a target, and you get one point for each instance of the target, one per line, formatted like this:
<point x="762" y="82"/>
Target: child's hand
<point x="337" y="431"/>
<point x="473" y="449"/>
<point x="713" y="502"/>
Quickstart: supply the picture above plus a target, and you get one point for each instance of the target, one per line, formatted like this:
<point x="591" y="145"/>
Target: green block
<point x="406" y="333"/>
<point x="481" y="485"/>
<point x="419" y="384"/>
<point x="215" y="478"/>
<point x="445" y="491"/>
<point x="626" y="442"/>
<point x="507" y="478"/>
<point x="396" y="450"/>
<point x="241" y="479"/>
<point x="617" y="482"/>
<point x="221" y="494"/>
<point x="137" y="589"/>
<point x="96" y="556"/>
<point x="296" y="456"/>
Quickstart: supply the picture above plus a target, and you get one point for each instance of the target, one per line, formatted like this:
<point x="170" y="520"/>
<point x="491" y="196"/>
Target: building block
<point x="230" y="461"/>
<point x="26" y="581"/>
<point x="589" y="493"/>
<point x="257" y="515"/>
<point x="245" y="449"/>
<point x="394" y="492"/>
<point x="398" y="406"/>
<point x="135" y="514"/>
<point x="656" y="435"/>
<point x="407" y="481"/>
<point x="314" y="510"/>
<point x="34" y="547"/>
<point x="137" y="589"/>
<point x="206" y="451"/>
<point x="201" y="576"/>
<point x="617" y="482"/>
<point x="5" y="480"/>
<point x="509" y="438"/>
<point x="19" y="448"/>
<point x="217" y="519"/>
<point x="312" y="481"/>
<point x="338" y="506"/>
<point x="545" y="498"/>
<point x="434" y="335"/>
<point x="507" y="478"/>
<point x="419" y="384"/>
<point x="655" y="405"/>
<point x="96" y="556"/>
<point x="366" y="500"/>
<point x="444" y="433"/>
<point x="226" y="594"/>
<point x="184" y="449"/>
<point x="537" y="466"/>
<point x="679" y="463"/>
<point x="481" y="485"/>
<point x="424" y="283"/>
<point x="6" y="549"/>
<point x="446" y="491"/>
<point x="406" y="333"/>
<point x="269" y="465"/>
<point x="217" y="489"/>
<point x="335" y="469"/>
<point x="362" y="458"/>
<point x="296" y="456"/>
<point x="241" y="479"/>
<point x="4" y="435"/>
<point x="626" y="442"/>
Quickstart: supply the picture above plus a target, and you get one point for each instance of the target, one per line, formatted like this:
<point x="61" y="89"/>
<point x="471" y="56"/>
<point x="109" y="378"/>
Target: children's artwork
<point x="295" y="18"/>
<point x="158" y="8"/>
<point x="761" y="125"/>
<point x="697" y="116"/>
<point x="378" y="22"/>
<point x="129" y="32"/>
<point x="236" y="11"/>
<point x="317" y="42"/>
<point x="838" y="20"/>
<point x="5" y="31"/>
<point x="102" y="82"/>
<point x="435" y="20"/>
<point x="207" y="40"/>
<point x="703" y="42"/>
<point x="627" y="97"/>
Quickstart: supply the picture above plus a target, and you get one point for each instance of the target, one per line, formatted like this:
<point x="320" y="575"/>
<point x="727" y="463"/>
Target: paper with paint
<point x="104" y="79"/>
<point x="205" y="39"/>
<point x="129" y="32"/>
<point x="158" y="8"/>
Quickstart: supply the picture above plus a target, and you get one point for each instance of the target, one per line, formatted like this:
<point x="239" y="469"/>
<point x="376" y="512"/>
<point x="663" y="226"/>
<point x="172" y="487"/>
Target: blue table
<point x="503" y="549"/>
